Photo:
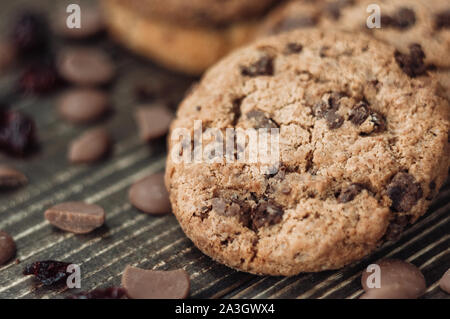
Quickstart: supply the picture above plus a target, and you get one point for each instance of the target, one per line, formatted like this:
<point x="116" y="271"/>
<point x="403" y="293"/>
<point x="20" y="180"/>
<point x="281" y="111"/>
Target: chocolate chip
<point x="11" y="178"/>
<point x="85" y="66"/>
<point x="413" y="63"/>
<point x="219" y="205"/>
<point x="404" y="192"/>
<point x="444" y="283"/>
<point x="398" y="280"/>
<point x="334" y="120"/>
<point x="91" y="23"/>
<point x="7" y="247"/>
<point x="83" y="105"/>
<point x="396" y="227"/>
<point x="76" y="217"/>
<point x="349" y="193"/>
<point x="266" y="213"/>
<point x="155" y="284"/>
<point x="259" y="120"/>
<point x="153" y="121"/>
<point x="264" y="66"/>
<point x="293" y="47"/>
<point x="90" y="147"/>
<point x="150" y="195"/>
<point x="359" y="113"/>
<point x="403" y="18"/>
<point x="442" y="20"/>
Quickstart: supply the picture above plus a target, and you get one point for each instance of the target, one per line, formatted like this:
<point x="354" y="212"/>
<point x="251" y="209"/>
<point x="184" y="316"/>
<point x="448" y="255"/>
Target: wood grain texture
<point x="130" y="237"/>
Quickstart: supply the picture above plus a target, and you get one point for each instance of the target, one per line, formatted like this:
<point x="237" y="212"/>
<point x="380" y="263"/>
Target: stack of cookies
<point x="361" y="114"/>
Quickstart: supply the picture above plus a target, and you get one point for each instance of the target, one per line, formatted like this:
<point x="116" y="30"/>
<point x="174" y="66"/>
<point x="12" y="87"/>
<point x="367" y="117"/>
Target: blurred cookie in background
<point x="187" y="36"/>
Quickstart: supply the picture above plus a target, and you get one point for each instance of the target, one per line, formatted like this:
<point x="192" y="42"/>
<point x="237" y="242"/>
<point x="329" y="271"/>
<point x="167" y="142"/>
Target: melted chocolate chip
<point x="349" y="193"/>
<point x="292" y="48"/>
<point x="259" y="119"/>
<point x="413" y="63"/>
<point x="334" y="120"/>
<point x="327" y="110"/>
<point x="266" y="213"/>
<point x="359" y="114"/>
<point x="442" y="20"/>
<point x="402" y="19"/>
<point x="264" y="66"/>
<point x="404" y="192"/>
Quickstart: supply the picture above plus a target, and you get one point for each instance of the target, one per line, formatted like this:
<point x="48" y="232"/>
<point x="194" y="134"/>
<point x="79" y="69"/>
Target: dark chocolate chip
<point x="150" y="195"/>
<point x="11" y="178"/>
<point x="90" y="147"/>
<point x="155" y="284"/>
<point x="153" y="121"/>
<point x="334" y="120"/>
<point x="259" y="120"/>
<point x="398" y="280"/>
<point x="403" y="18"/>
<point x="83" y="105"/>
<point x="266" y="213"/>
<point x="378" y="121"/>
<point x="264" y="66"/>
<point x="293" y="47"/>
<point x="413" y="63"/>
<point x="76" y="217"/>
<point x="442" y="20"/>
<point x="404" y="192"/>
<point x="359" y="113"/>
<point x="7" y="247"/>
<point x="349" y="193"/>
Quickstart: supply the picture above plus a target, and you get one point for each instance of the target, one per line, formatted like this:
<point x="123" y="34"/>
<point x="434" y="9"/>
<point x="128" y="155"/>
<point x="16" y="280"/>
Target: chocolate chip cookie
<point x="187" y="36"/>
<point x="363" y="147"/>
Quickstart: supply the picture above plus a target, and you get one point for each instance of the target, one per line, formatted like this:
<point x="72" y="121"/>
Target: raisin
<point x="442" y="20"/>
<point x="29" y="32"/>
<point x="266" y="213"/>
<point x="105" y="293"/>
<point x="413" y="63"/>
<point x="17" y="133"/>
<point x="349" y="193"/>
<point x="264" y="66"/>
<point x="48" y="272"/>
<point x="292" y="48"/>
<point x="39" y="78"/>
<point x="404" y="192"/>
<point x="259" y="120"/>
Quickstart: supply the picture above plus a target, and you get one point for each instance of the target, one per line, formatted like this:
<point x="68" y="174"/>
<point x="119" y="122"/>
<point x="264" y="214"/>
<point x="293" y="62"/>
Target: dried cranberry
<point x="17" y="133"/>
<point x="48" y="272"/>
<point x="29" y="32"/>
<point x="39" y="78"/>
<point x="106" y="293"/>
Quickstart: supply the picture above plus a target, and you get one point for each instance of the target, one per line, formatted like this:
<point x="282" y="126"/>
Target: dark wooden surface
<point x="130" y="237"/>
